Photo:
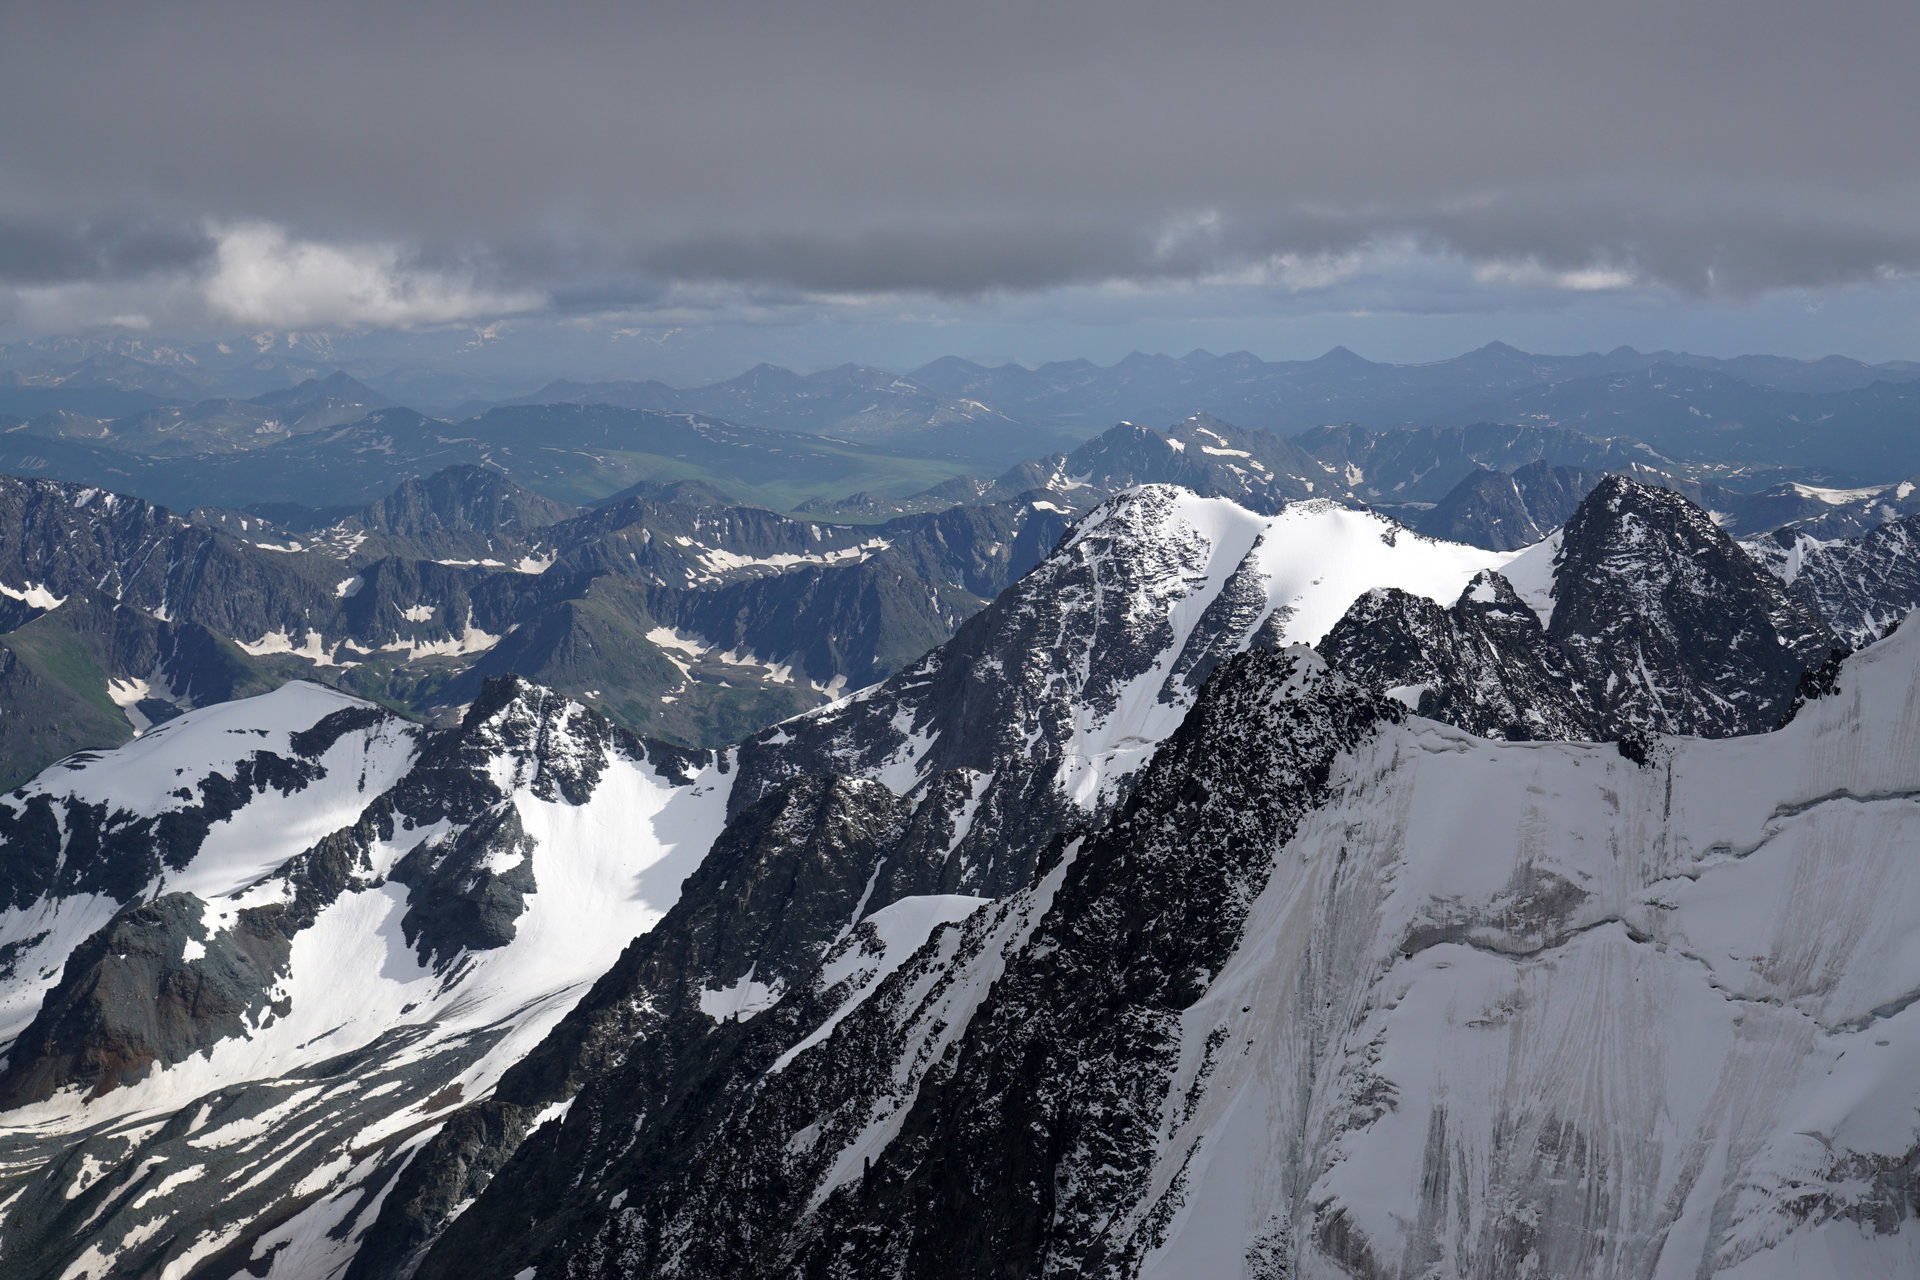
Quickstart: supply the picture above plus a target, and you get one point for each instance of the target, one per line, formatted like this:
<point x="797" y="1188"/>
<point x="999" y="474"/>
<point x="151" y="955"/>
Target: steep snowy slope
<point x="257" y="956"/>
<point x="1511" y="1010"/>
<point x="1338" y="993"/>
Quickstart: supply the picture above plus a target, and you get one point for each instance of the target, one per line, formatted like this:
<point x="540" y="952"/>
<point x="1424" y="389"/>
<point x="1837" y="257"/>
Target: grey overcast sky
<point x="888" y="180"/>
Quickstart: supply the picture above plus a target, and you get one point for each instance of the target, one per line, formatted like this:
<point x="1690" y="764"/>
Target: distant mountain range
<point x="1787" y="411"/>
<point x="1833" y="421"/>
<point x="1495" y="486"/>
<point x="694" y="621"/>
<point x="226" y="453"/>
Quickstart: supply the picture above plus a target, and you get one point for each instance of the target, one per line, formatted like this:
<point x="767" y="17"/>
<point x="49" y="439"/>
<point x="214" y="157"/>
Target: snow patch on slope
<point x="898" y="930"/>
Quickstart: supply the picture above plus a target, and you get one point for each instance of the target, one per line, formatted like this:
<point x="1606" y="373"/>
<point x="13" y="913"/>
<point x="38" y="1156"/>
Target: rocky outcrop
<point x="154" y="986"/>
<point x="1671" y="623"/>
<point x="1657" y="622"/>
<point x="1486" y="664"/>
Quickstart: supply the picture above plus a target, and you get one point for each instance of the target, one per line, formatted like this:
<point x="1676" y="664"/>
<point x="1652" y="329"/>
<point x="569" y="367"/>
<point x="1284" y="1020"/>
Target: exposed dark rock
<point x="130" y="997"/>
<point x="1670" y="623"/>
<point x="1862" y="586"/>
<point x="1486" y="664"/>
<point x="1817" y="682"/>
<point x="463" y="899"/>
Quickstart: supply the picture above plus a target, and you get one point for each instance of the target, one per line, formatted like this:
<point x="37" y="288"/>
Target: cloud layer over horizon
<point x="211" y="163"/>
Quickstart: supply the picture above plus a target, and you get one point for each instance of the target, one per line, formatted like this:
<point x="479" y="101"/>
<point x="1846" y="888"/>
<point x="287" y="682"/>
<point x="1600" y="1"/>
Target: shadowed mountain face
<point x="1674" y="625"/>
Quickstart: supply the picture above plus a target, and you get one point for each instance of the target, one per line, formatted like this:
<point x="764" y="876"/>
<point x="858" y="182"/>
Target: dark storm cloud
<point x="935" y="259"/>
<point x="1717" y="146"/>
<point x="41" y="252"/>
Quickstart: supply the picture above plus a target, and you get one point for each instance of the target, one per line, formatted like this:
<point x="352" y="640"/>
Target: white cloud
<point x="261" y="276"/>
<point x="1530" y="274"/>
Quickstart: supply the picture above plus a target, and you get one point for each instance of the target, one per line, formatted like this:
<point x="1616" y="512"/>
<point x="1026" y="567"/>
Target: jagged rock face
<point x="1508" y="511"/>
<point x="1671" y="623"/>
<point x="1332" y="995"/>
<point x="1672" y="628"/>
<point x="299" y="927"/>
<point x="1486" y="665"/>
<point x="1861" y="586"/>
<point x="1059" y="691"/>
<point x="1018" y="1116"/>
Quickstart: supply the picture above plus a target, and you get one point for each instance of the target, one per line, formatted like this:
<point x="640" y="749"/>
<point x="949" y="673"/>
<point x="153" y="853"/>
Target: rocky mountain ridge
<point x="656" y="1058"/>
<point x="696" y="621"/>
<point x="805" y="977"/>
